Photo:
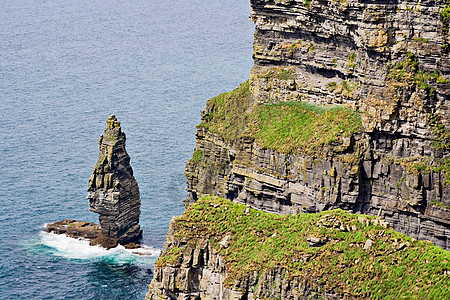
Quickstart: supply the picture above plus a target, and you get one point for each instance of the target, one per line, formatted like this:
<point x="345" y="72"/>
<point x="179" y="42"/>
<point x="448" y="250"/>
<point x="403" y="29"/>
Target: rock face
<point x="218" y="249"/>
<point x="113" y="194"/>
<point x="389" y="62"/>
<point x="113" y="191"/>
<point x="200" y="275"/>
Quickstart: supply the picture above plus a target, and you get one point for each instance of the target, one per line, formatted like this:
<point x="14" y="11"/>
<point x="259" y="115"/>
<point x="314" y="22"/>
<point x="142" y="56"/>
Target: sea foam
<point x="71" y="248"/>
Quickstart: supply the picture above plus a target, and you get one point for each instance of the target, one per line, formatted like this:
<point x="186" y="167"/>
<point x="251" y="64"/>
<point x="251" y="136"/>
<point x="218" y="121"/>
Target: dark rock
<point x="82" y="230"/>
<point x="113" y="190"/>
<point x="113" y="194"/>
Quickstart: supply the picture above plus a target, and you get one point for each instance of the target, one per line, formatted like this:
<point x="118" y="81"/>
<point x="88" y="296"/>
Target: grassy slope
<point x="395" y="266"/>
<point x="284" y="127"/>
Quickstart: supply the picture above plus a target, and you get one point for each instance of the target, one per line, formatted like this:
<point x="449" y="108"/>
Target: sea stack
<point x="113" y="194"/>
<point x="113" y="190"/>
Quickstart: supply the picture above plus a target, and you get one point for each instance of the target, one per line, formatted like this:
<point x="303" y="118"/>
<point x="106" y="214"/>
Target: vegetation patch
<point x="407" y="73"/>
<point x="441" y="141"/>
<point x="226" y="114"/>
<point x="442" y="136"/>
<point x="294" y="46"/>
<point x="286" y="126"/>
<point x="311" y="48"/>
<point x="171" y="258"/>
<point x="445" y="169"/>
<point x="351" y="63"/>
<point x="283" y="126"/>
<point x="345" y="88"/>
<point x="197" y="157"/>
<point x="308" y="4"/>
<point x="281" y="73"/>
<point x="445" y="17"/>
<point x="351" y="254"/>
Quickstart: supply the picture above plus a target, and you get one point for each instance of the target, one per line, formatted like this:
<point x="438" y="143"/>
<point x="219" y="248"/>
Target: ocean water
<point x="65" y="66"/>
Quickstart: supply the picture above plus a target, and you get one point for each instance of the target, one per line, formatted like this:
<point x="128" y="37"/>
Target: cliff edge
<point x="218" y="249"/>
<point x="347" y="106"/>
<point x="345" y="117"/>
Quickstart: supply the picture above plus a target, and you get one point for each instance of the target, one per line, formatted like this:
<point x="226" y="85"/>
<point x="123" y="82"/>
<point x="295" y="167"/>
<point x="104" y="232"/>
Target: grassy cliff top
<point x="345" y="252"/>
<point x="284" y="126"/>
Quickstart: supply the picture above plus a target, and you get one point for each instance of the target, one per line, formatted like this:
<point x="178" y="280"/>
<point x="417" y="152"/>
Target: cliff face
<point x="388" y="62"/>
<point x="199" y="273"/>
<point x="222" y="250"/>
<point x="113" y="191"/>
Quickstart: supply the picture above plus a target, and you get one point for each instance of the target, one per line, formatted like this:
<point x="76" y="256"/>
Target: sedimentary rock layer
<point x="113" y="190"/>
<point x="222" y="250"/>
<point x="387" y="61"/>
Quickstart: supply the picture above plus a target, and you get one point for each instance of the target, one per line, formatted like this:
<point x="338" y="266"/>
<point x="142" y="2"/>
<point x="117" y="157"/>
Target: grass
<point x="282" y="73"/>
<point x="288" y="126"/>
<point x="308" y="4"/>
<point x="170" y="258"/>
<point x="441" y="141"/>
<point x="395" y="266"/>
<point x="351" y="63"/>
<point x="226" y="114"/>
<point x="445" y="17"/>
<point x="311" y="48"/>
<point x="407" y="73"/>
<point x="285" y="127"/>
<point x="345" y="88"/>
<point x="197" y="157"/>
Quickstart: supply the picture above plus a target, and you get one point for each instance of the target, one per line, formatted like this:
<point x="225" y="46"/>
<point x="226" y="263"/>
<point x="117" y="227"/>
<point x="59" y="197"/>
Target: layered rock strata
<point x="113" y="194"/>
<point x="222" y="250"/>
<point x="113" y="190"/>
<point x="200" y="274"/>
<point x="388" y="61"/>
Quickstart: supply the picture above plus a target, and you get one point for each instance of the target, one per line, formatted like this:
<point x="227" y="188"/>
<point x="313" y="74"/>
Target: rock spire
<point x="113" y="190"/>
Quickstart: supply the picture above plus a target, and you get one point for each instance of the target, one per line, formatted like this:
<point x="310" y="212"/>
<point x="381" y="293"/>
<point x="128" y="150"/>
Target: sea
<point x="65" y="66"/>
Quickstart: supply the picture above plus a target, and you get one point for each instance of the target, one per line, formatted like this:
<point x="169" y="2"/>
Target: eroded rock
<point x="113" y="194"/>
<point x="113" y="190"/>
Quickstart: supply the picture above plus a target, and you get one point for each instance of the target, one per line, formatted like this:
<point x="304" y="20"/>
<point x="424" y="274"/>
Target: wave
<point x="79" y="249"/>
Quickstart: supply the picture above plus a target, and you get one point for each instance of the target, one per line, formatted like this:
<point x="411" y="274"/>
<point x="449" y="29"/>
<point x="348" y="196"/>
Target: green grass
<point x="441" y="141"/>
<point x="197" y="156"/>
<point x="171" y="257"/>
<point x="311" y="48"/>
<point x="445" y="17"/>
<point x="285" y="127"/>
<point x="396" y="266"/>
<point x="288" y="126"/>
<point x="351" y="63"/>
<point x="345" y="88"/>
<point x="282" y="73"/>
<point x="444" y="167"/>
<point x="308" y="4"/>
<point x="225" y="114"/>
<point x="407" y="73"/>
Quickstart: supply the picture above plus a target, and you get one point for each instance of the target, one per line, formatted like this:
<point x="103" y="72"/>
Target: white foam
<point x="71" y="248"/>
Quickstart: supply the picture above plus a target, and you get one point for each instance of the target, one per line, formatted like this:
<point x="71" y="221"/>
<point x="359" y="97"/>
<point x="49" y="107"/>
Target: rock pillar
<point x="113" y="190"/>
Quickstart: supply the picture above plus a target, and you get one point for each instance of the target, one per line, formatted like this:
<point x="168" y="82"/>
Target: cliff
<point x="221" y="250"/>
<point x="345" y="117"/>
<point x="347" y="106"/>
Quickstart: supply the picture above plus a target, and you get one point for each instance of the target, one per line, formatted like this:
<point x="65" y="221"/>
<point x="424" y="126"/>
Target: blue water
<point x="65" y="66"/>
